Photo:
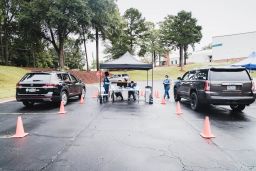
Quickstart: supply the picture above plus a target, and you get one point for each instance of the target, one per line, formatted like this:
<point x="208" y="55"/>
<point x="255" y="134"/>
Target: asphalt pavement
<point x="126" y="136"/>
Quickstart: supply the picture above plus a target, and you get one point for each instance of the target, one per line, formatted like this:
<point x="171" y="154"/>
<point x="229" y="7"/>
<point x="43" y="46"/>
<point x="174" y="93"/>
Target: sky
<point x="217" y="17"/>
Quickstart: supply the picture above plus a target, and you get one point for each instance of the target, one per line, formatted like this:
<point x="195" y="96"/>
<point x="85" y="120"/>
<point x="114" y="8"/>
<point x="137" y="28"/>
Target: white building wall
<point x="202" y="56"/>
<point x="233" y="46"/>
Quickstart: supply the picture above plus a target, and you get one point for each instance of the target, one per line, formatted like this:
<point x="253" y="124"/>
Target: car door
<point x="182" y="82"/>
<point x="69" y="84"/>
<point x="188" y="83"/>
<point x="77" y="84"/>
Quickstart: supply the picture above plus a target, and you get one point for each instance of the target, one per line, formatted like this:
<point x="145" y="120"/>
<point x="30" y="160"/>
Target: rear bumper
<point x="38" y="98"/>
<point x="223" y="100"/>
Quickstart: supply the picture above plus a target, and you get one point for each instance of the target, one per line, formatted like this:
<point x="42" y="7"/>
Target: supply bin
<point x="148" y="92"/>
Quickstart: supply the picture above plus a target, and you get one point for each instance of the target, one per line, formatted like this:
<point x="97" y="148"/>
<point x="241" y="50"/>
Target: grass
<point x="9" y="76"/>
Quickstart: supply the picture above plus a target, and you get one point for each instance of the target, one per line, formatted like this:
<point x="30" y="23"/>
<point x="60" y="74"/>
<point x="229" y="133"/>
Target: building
<point x="202" y="56"/>
<point x="234" y="46"/>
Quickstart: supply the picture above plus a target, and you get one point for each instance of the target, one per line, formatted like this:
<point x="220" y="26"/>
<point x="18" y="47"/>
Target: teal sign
<point x="216" y="45"/>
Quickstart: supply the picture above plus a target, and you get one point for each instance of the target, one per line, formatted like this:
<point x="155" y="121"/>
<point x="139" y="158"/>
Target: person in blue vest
<point x="106" y="83"/>
<point x="166" y="83"/>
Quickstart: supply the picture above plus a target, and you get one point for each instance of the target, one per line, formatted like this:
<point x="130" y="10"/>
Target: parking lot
<point x="126" y="136"/>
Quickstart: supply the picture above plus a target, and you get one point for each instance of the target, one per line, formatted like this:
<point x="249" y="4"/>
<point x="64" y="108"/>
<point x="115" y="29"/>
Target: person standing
<point x="106" y="83"/>
<point x="166" y="83"/>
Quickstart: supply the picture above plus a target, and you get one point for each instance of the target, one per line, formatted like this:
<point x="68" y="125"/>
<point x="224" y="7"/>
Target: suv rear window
<point x="229" y="75"/>
<point x="37" y="77"/>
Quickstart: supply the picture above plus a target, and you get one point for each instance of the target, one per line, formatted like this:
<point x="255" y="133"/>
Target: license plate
<point x="231" y="87"/>
<point x="31" y="90"/>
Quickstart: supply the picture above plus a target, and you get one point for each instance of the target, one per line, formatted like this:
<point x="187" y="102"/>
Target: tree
<point x="180" y="31"/>
<point x="135" y="28"/>
<point x="150" y="43"/>
<point x="8" y="10"/>
<point x="101" y="19"/>
<point x="73" y="55"/>
<point x="57" y="20"/>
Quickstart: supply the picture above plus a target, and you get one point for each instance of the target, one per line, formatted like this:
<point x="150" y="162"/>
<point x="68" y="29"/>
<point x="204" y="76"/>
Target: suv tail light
<point x="206" y="86"/>
<point x="50" y="85"/>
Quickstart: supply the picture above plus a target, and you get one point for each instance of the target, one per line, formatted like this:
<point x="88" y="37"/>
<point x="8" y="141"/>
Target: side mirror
<point x="179" y="78"/>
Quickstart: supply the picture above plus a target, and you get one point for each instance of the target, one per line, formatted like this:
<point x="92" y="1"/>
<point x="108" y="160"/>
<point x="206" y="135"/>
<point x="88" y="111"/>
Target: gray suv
<point x="217" y="86"/>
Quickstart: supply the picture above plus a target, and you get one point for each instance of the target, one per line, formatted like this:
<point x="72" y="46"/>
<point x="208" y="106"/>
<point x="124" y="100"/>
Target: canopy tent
<point x="249" y="63"/>
<point x="126" y="61"/>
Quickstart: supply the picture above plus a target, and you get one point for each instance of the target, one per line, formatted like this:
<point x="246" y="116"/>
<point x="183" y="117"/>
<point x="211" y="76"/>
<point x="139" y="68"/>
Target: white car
<point x="119" y="77"/>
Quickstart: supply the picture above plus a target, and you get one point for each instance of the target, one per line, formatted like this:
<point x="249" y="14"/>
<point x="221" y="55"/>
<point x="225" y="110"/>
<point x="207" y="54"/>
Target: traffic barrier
<point x="163" y="101"/>
<point x="207" y="133"/>
<point x="19" y="129"/>
<point x="178" y="108"/>
<point x="62" y="110"/>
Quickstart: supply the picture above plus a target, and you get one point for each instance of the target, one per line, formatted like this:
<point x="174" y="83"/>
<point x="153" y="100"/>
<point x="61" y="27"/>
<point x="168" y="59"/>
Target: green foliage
<point x="180" y="31"/>
<point x="57" y="19"/>
<point x="73" y="55"/>
<point x="128" y="35"/>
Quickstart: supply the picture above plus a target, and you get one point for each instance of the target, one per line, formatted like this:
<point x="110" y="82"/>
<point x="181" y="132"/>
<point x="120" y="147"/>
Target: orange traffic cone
<point x="62" y="110"/>
<point x="142" y="93"/>
<point x="81" y="100"/>
<point x="178" y="109"/>
<point x="163" y="101"/>
<point x="19" y="129"/>
<point x="95" y="95"/>
<point x="207" y="133"/>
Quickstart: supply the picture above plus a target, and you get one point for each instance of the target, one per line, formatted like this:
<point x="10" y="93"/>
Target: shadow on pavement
<point x="217" y="113"/>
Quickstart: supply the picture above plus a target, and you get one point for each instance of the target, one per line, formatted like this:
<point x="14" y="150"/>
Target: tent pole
<point x="152" y="80"/>
<point x="147" y="77"/>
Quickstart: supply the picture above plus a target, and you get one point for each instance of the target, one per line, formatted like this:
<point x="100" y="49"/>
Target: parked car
<point x="119" y="77"/>
<point x="217" y="86"/>
<point x="48" y="87"/>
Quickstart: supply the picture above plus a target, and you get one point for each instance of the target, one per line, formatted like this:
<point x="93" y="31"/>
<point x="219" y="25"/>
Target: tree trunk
<point x="154" y="55"/>
<point x="97" y="49"/>
<point x="61" y="53"/>
<point x="185" y="54"/>
<point x="2" y="46"/>
<point x="159" y="59"/>
<point x="86" y="56"/>
<point x="181" y="57"/>
<point x="6" y="51"/>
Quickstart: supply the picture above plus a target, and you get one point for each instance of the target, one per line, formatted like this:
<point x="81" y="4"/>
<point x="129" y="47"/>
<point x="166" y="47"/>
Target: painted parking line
<point x="5" y="101"/>
<point x="5" y="113"/>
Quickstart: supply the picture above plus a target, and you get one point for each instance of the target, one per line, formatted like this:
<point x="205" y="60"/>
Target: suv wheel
<point x="237" y="108"/>
<point x="194" y="103"/>
<point x="175" y="95"/>
<point x="82" y="94"/>
<point x="28" y="103"/>
<point x="64" y="97"/>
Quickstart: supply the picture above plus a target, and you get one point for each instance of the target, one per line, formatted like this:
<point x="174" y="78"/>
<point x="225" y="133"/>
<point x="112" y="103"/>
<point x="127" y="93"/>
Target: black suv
<point x="217" y="86"/>
<point x="48" y="87"/>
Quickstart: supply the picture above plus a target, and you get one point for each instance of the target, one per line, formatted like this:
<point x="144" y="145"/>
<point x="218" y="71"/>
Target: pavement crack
<point x="50" y="136"/>
<point x="71" y="142"/>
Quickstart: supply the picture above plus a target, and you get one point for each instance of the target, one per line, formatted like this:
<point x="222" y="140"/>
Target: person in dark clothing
<point x="119" y="94"/>
<point x="131" y="93"/>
